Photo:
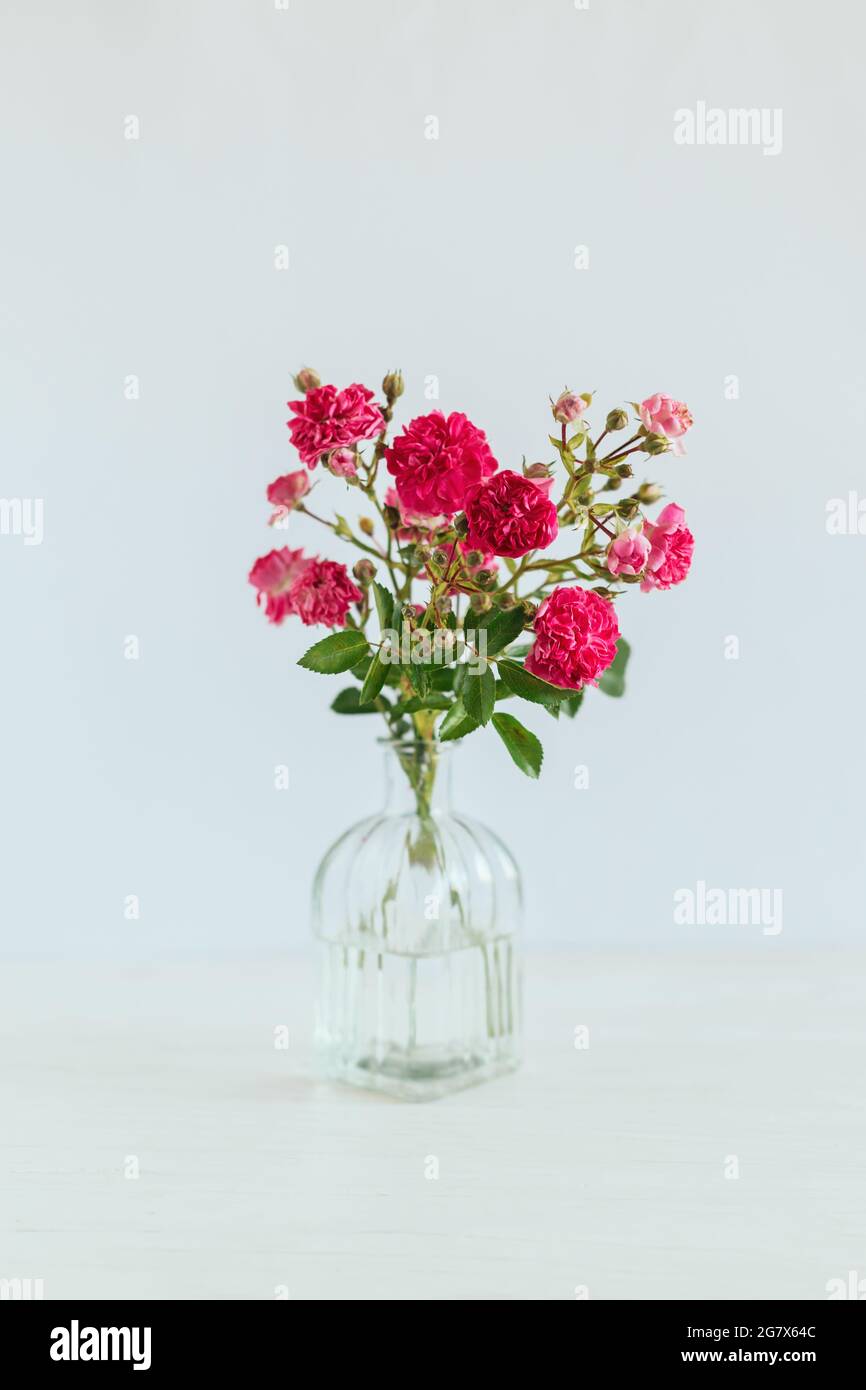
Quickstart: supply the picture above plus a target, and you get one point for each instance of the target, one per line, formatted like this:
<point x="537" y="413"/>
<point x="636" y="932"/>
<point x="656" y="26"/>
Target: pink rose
<point x="322" y="593"/>
<point x="327" y="418"/>
<point x="413" y="525"/>
<point x="342" y="463"/>
<point x="273" y="576"/>
<point x="671" y="547"/>
<point x="510" y="515"/>
<point x="285" y="493"/>
<point x="663" y="415"/>
<point x="628" y="554"/>
<point x="568" y="407"/>
<point x="576" y="633"/>
<point x="436" y="460"/>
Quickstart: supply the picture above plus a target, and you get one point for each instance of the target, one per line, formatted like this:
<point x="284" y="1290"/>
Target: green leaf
<point x="384" y="605"/>
<point x="374" y="679"/>
<point x="432" y="700"/>
<point x="530" y="687"/>
<point x="525" y="750"/>
<point x="613" y="680"/>
<point x="457" y="723"/>
<point x="572" y="704"/>
<point x="442" y="678"/>
<point x="500" y="626"/>
<point x="339" y="652"/>
<point x="348" y="702"/>
<point x="479" y="695"/>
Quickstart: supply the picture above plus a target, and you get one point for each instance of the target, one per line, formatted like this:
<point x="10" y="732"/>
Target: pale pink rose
<point x="327" y="418"/>
<point x="670" y="518"/>
<point x="629" y="553"/>
<point x="287" y="492"/>
<point x="671" y="548"/>
<point x="323" y="593"/>
<point x="436" y="460"/>
<point x="540" y="474"/>
<point x="343" y="464"/>
<point x="576" y="633"/>
<point x="663" y="415"/>
<point x="273" y="576"/>
<point x="414" y="526"/>
<point x="568" y="407"/>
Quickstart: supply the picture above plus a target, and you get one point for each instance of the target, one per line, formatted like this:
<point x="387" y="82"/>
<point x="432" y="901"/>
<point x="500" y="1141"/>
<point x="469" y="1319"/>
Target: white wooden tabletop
<point x="710" y="1141"/>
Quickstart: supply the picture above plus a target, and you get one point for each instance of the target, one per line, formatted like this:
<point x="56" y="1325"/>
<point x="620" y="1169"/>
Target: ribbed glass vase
<point x="417" y="915"/>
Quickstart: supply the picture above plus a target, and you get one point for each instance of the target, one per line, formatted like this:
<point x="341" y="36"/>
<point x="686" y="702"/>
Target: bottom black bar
<point x="161" y="1339"/>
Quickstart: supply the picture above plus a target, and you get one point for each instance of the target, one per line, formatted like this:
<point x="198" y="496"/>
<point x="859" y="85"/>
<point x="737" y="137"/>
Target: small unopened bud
<point x="393" y="386"/>
<point x="568" y="407"/>
<point x="472" y="559"/>
<point x="461" y="525"/>
<point x="612" y="485"/>
<point x="481" y="603"/>
<point x="648" y="493"/>
<point x="627" y="508"/>
<point x="364" y="571"/>
<point x="485" y="579"/>
<point x="506" y="601"/>
<point x="624" y="470"/>
<point x="442" y="605"/>
<point x="307" y="380"/>
<point x="392" y="517"/>
<point x="441" y="557"/>
<point x="616" y="420"/>
<point x="530" y="609"/>
<point x="366" y="525"/>
<point x="537" y="471"/>
<point x="654" y="444"/>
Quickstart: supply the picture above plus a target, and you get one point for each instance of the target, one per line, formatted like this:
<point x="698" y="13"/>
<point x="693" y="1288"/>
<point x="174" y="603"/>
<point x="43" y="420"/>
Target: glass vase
<point x="417" y="914"/>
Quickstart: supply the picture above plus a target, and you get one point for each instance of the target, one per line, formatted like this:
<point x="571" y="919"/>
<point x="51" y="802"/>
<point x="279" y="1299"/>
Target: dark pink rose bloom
<point x="436" y="460"/>
<point x="671" y="547"/>
<point x="285" y="493"/>
<point x="576" y="633"/>
<point x="327" y="419"/>
<point x="510" y="515"/>
<point x="663" y="415"/>
<point x="322" y="593"/>
<point x="273" y="576"/>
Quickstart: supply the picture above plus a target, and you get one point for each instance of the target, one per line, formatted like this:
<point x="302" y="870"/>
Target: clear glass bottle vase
<point x="417" y="915"/>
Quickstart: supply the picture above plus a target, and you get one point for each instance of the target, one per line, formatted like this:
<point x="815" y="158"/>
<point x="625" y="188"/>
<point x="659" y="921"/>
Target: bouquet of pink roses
<point x="457" y="602"/>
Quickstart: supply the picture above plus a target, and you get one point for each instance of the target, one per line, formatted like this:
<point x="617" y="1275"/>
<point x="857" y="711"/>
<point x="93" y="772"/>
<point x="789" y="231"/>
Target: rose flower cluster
<point x="518" y="571"/>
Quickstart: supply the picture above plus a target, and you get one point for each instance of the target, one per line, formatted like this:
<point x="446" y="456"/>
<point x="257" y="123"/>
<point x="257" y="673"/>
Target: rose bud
<point x="392" y="517"/>
<point x="537" y="471"/>
<point x="485" y="579"/>
<point x="616" y="420"/>
<point x="441" y="557"/>
<point x="481" y="603"/>
<point x="364" y="571"/>
<point x="307" y="380"/>
<point x="472" y="559"/>
<point x="624" y="470"/>
<point x="568" y="407"/>
<point x="461" y="525"/>
<point x="393" y="386"/>
<point x="343" y="464"/>
<point x="648" y="493"/>
<point x="366" y="525"/>
<point x="530" y="609"/>
<point x="654" y="444"/>
<point x="506" y="601"/>
<point x="612" y="485"/>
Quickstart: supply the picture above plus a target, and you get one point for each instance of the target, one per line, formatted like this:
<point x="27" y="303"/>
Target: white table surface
<point x="602" y="1168"/>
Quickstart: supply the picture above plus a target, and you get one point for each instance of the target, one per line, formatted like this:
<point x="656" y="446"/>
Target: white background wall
<point x="155" y="257"/>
